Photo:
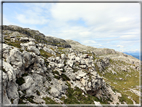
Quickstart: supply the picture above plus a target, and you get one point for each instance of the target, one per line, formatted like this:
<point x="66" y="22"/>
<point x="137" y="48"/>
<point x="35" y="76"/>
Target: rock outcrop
<point x="35" y="72"/>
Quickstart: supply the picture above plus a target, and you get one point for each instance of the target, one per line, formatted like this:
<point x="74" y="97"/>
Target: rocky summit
<point x="38" y="69"/>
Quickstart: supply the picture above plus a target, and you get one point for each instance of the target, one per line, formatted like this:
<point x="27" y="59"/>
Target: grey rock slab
<point x="9" y="71"/>
<point x="5" y="98"/>
<point x="33" y="49"/>
<point x="70" y="63"/>
<point x="54" y="92"/>
<point x="49" y="50"/>
<point x="28" y="82"/>
<point x="15" y="58"/>
<point x="12" y="90"/>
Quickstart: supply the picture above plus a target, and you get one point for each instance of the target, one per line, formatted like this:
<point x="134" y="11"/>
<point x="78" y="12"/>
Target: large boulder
<point x="27" y="59"/>
<point x="15" y="58"/>
<point x="33" y="49"/>
<point x="6" y="50"/>
<point x="28" y="82"/>
<point x="24" y="39"/>
<point x="49" y="50"/>
<point x="9" y="71"/>
<point x="58" y="88"/>
<point x="12" y="92"/>
<point x="80" y="74"/>
<point x="70" y="63"/>
<point x="54" y="92"/>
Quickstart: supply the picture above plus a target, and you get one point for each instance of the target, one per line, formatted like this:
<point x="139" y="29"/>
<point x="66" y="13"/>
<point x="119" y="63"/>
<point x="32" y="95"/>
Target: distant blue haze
<point x="134" y="54"/>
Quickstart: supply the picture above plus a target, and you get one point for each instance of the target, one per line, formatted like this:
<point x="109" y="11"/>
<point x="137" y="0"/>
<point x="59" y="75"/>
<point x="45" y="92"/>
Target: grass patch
<point x="46" y="62"/>
<point x="45" y="54"/>
<point x="75" y="96"/>
<point x="58" y="76"/>
<point x="15" y="44"/>
<point x="64" y="77"/>
<point x="122" y="86"/>
<point x="75" y="70"/>
<point x="124" y="98"/>
<point x="30" y="99"/>
<point x="49" y="100"/>
<point x="55" y="72"/>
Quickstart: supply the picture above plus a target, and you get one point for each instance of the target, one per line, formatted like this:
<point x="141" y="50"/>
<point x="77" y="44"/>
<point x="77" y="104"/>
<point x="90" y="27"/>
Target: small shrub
<point x="55" y="72"/>
<point x="30" y="99"/>
<point x="46" y="63"/>
<point x="25" y="74"/>
<point x="4" y="70"/>
<point x="64" y="77"/>
<point x="20" y="81"/>
<point x="57" y="77"/>
<point x="48" y="78"/>
<point x="63" y="70"/>
<point x="37" y="92"/>
<point x="75" y="70"/>
<point x="12" y="101"/>
<point x="21" y="101"/>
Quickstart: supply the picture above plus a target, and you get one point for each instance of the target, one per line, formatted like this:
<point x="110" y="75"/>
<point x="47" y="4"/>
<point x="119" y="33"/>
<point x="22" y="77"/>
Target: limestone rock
<point x="28" y="82"/>
<point x="49" y="50"/>
<point x="70" y="63"/>
<point x="15" y="58"/>
<point x="33" y="49"/>
<point x="9" y="71"/>
<point x="24" y="39"/>
<point x="12" y="92"/>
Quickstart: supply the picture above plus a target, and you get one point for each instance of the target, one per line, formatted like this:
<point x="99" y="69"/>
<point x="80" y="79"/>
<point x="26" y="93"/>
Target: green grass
<point x="15" y="44"/>
<point x="124" y="98"/>
<point x="46" y="62"/>
<point x="49" y="100"/>
<point x="60" y="49"/>
<point x="55" y="72"/>
<point x="30" y="99"/>
<point x="122" y="86"/>
<point x="75" y="70"/>
<point x="64" y="77"/>
<point x="75" y="96"/>
<point x="45" y="54"/>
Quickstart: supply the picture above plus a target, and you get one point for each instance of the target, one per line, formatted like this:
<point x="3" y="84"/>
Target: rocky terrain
<point x="37" y="69"/>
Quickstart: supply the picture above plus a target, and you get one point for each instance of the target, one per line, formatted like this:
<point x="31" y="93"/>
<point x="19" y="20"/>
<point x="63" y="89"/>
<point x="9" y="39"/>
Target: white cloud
<point x="112" y="25"/>
<point x="34" y="14"/>
<point x="92" y="42"/>
<point x="33" y="19"/>
<point x="120" y="46"/>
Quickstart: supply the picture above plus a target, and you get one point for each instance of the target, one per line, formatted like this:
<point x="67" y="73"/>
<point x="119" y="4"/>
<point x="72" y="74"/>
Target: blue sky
<point x="101" y="25"/>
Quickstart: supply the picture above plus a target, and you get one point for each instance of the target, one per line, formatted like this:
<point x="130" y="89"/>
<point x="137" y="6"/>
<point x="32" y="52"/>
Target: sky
<point x="101" y="25"/>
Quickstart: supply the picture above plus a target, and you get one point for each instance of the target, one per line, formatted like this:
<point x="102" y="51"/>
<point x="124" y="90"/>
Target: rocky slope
<point x="36" y="71"/>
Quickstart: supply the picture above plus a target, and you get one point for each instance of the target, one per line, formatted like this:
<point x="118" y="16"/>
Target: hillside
<point x="46" y="70"/>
